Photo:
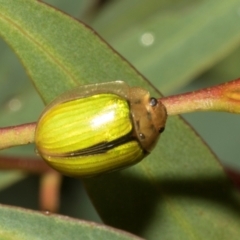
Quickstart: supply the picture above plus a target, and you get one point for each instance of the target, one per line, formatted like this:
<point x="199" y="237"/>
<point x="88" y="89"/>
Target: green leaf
<point x="74" y="8"/>
<point x="228" y="68"/>
<point x="15" y="87"/>
<point x="7" y="178"/>
<point x="209" y="123"/>
<point x="17" y="223"/>
<point x="180" y="190"/>
<point x="189" y="37"/>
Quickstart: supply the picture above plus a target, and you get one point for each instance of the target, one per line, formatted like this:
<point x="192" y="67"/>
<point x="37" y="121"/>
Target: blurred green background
<point x="177" y="45"/>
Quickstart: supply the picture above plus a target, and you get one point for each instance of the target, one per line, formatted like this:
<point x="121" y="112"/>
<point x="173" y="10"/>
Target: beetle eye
<point x="153" y="102"/>
<point x="161" y="129"/>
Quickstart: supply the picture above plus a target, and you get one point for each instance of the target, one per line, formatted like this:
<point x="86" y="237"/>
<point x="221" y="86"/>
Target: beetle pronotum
<point x="99" y="128"/>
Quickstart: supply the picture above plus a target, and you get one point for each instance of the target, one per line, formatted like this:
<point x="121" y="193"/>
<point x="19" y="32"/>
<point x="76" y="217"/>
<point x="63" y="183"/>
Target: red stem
<point x="27" y="164"/>
<point x="17" y="135"/>
<point x="224" y="97"/>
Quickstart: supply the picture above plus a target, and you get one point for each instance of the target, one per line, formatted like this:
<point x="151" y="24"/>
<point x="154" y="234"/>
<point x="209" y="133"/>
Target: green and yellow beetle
<point x="99" y="128"/>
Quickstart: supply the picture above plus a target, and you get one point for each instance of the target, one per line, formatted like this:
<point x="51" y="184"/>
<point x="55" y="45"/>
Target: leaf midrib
<point x="40" y="47"/>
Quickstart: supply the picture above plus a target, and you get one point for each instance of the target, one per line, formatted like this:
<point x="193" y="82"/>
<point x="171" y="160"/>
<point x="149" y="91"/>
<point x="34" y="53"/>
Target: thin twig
<point x="26" y="164"/>
<point x="224" y="97"/>
<point x="17" y="135"/>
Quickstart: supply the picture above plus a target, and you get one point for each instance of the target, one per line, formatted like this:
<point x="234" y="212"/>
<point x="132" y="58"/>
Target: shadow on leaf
<point x="132" y="203"/>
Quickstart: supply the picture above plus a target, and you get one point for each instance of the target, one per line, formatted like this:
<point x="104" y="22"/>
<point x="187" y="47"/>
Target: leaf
<point x="188" y="37"/>
<point x="17" y="223"/>
<point x="8" y="178"/>
<point x="228" y="68"/>
<point x="225" y="141"/>
<point x="74" y="8"/>
<point x="180" y="189"/>
<point x="15" y="88"/>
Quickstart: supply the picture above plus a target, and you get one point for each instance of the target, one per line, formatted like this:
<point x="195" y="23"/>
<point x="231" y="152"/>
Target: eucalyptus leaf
<point x="17" y="223"/>
<point x="172" y="42"/>
<point x="74" y="8"/>
<point x="18" y="104"/>
<point x="225" y="141"/>
<point x="179" y="191"/>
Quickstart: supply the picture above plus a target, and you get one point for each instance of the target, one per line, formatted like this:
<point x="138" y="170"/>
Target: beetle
<point x="99" y="128"/>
